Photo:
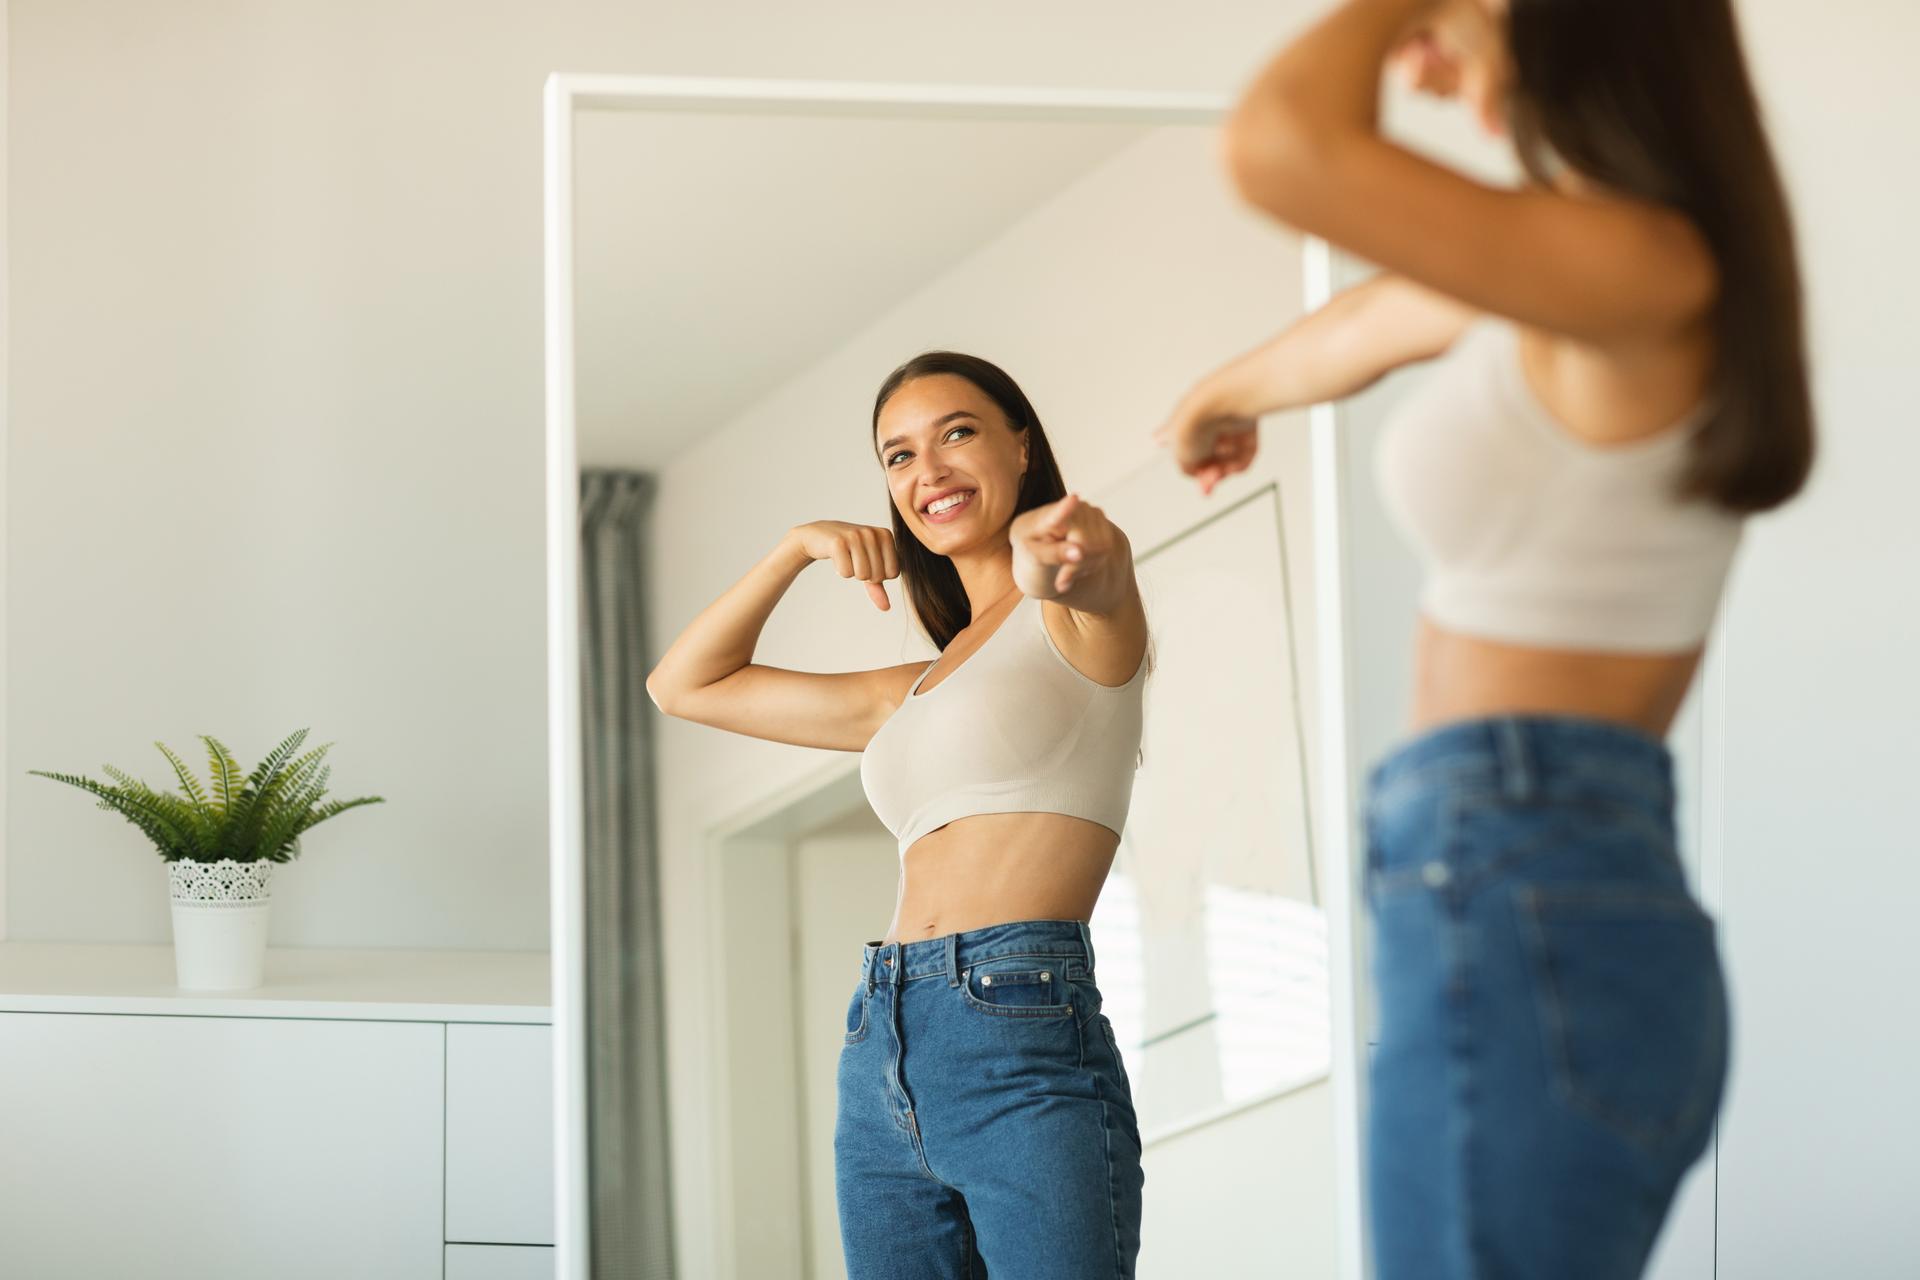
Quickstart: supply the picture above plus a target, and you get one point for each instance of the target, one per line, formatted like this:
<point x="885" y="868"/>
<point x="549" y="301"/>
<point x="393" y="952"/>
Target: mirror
<point x="733" y="268"/>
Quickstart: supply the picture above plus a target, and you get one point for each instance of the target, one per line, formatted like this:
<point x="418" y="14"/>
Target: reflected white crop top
<point x="1015" y="728"/>
<point x="1533" y="536"/>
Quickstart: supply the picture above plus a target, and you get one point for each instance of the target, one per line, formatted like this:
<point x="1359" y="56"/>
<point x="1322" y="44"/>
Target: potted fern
<point x="220" y="841"/>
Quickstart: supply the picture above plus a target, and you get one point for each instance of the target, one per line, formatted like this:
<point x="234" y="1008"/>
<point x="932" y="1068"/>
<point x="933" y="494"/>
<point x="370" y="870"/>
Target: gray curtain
<point x="631" y="1205"/>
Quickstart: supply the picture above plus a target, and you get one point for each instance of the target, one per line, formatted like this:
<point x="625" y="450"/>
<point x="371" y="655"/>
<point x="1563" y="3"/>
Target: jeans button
<point x="1436" y="874"/>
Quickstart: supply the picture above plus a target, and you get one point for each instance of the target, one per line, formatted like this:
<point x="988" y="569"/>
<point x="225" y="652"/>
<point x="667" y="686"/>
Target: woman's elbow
<point x="1271" y="154"/>
<point x="661" y="691"/>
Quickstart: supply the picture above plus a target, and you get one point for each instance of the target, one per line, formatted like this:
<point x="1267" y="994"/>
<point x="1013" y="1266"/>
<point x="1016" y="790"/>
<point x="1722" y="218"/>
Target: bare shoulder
<point x="1105" y="648"/>
<point x="889" y="685"/>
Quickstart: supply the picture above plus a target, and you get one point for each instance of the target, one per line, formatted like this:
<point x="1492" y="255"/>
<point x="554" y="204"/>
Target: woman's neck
<point x="986" y="576"/>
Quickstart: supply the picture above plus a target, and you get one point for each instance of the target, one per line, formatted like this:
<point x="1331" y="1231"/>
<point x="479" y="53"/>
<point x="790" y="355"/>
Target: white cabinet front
<point x="499" y="1134"/>
<point x="499" y="1262"/>
<point x="219" y="1148"/>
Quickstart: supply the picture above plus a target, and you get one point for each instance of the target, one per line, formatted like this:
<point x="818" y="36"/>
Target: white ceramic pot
<point x="219" y="922"/>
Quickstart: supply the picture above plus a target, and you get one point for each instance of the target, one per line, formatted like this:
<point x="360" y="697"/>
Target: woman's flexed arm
<point x="1304" y="146"/>
<point x="708" y="674"/>
<point x="1069" y="553"/>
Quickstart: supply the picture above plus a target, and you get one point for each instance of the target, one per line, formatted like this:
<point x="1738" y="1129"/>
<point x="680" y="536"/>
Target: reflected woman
<point x="1623" y="382"/>
<point x="985" y="1123"/>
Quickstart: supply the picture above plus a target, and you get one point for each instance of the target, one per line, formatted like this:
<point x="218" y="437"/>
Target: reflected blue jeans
<point x="985" y="1125"/>
<point x="1553" y="1017"/>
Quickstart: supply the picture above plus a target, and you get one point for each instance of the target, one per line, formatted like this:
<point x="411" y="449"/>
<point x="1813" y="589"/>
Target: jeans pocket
<point x="1018" y="987"/>
<point x="857" y="1014"/>
<point x="1633" y="1008"/>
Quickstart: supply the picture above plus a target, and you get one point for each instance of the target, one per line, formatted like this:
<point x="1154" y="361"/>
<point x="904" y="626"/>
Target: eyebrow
<point x="891" y="441"/>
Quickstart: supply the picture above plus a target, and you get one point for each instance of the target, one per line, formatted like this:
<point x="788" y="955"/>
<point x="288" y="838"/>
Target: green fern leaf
<point x="189" y="785"/>
<point x="227" y="775"/>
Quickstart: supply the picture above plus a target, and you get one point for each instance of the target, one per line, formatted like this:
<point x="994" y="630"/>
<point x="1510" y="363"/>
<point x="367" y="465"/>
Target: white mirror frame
<point x="566" y="94"/>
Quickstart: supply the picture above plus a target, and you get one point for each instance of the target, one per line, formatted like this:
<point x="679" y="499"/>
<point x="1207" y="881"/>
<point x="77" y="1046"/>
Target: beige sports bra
<point x="1015" y="728"/>
<point x="1533" y="536"/>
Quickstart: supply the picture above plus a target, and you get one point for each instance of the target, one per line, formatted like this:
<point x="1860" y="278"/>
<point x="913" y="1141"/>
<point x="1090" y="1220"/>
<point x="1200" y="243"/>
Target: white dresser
<point x="373" y="1114"/>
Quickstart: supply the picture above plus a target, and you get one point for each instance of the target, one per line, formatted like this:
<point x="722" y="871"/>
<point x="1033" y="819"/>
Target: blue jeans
<point x="1553" y="1018"/>
<point x="985" y="1126"/>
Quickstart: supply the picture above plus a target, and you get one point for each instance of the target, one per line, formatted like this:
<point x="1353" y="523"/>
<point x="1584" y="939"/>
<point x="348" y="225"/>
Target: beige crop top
<point x="1015" y="728"/>
<point x="1531" y="535"/>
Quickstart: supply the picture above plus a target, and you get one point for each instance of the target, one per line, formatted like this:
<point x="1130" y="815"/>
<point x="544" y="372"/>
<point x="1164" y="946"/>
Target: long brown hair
<point x="932" y="583"/>
<point x="1652" y="98"/>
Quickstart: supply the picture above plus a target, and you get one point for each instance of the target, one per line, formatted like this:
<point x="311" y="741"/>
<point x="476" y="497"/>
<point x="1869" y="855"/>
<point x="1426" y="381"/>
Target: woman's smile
<point x="949" y="507"/>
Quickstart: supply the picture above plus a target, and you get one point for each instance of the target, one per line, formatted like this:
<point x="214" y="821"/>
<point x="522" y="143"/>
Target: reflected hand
<point x="860" y="551"/>
<point x="1209" y="444"/>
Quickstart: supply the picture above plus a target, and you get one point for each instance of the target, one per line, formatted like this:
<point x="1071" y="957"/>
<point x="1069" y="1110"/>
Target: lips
<point x="956" y="503"/>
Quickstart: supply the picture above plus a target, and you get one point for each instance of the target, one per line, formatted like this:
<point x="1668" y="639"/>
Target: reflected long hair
<point x="1652" y="99"/>
<point x="932" y="583"/>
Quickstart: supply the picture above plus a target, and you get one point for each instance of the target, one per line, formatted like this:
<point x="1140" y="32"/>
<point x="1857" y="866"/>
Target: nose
<point x="933" y="470"/>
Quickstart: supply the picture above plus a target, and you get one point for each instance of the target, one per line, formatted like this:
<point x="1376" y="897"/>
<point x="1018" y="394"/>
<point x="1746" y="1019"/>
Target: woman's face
<point x="1459" y="50"/>
<point x="945" y="445"/>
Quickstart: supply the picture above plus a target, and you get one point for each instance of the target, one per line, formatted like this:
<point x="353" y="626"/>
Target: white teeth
<point x="935" y="507"/>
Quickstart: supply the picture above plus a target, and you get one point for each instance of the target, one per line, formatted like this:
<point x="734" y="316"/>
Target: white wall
<point x="1104" y="303"/>
<point x="1820" y="1140"/>
<point x="843" y="882"/>
<point x="6" y="505"/>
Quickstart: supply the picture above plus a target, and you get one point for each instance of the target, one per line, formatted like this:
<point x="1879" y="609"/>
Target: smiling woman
<point x="1007" y="805"/>
<point x="960" y="439"/>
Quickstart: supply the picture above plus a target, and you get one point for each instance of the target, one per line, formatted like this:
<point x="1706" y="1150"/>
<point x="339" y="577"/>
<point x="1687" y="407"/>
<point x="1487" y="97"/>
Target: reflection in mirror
<point x="744" y="282"/>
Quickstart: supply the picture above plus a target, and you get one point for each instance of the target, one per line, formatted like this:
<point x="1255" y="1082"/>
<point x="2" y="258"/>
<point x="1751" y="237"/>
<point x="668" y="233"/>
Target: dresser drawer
<point x="175" y="1148"/>
<point x="499" y="1262"/>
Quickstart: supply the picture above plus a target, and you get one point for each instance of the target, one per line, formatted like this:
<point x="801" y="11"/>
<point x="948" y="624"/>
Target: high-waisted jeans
<point x="1553" y="1018"/>
<point x="986" y="1126"/>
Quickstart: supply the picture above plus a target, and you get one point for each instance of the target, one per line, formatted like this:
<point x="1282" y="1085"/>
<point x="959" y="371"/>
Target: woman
<point x="1624" y="382"/>
<point x="985" y="1122"/>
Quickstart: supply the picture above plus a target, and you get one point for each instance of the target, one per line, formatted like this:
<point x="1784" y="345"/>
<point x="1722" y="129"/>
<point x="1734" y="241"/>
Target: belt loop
<point x="867" y="958"/>
<point x="1086" y="941"/>
<point x="953" y="960"/>
<point x="1516" y="766"/>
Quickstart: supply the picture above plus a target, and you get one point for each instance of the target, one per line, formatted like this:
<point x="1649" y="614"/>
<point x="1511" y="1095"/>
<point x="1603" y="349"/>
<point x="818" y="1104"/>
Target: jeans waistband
<point x="893" y="963"/>
<point x="1533" y="758"/>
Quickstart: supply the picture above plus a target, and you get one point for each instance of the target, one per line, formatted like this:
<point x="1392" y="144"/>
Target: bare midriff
<point x="1460" y="677"/>
<point x="994" y="868"/>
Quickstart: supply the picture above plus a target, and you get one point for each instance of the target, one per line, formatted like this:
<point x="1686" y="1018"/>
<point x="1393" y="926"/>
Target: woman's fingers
<point x="889" y="554"/>
<point x="1048" y="550"/>
<point x="879" y="596"/>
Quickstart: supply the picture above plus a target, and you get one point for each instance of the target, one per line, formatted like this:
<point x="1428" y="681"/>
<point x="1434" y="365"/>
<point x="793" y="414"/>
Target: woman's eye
<point x="956" y="430"/>
<point x="895" y="458"/>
